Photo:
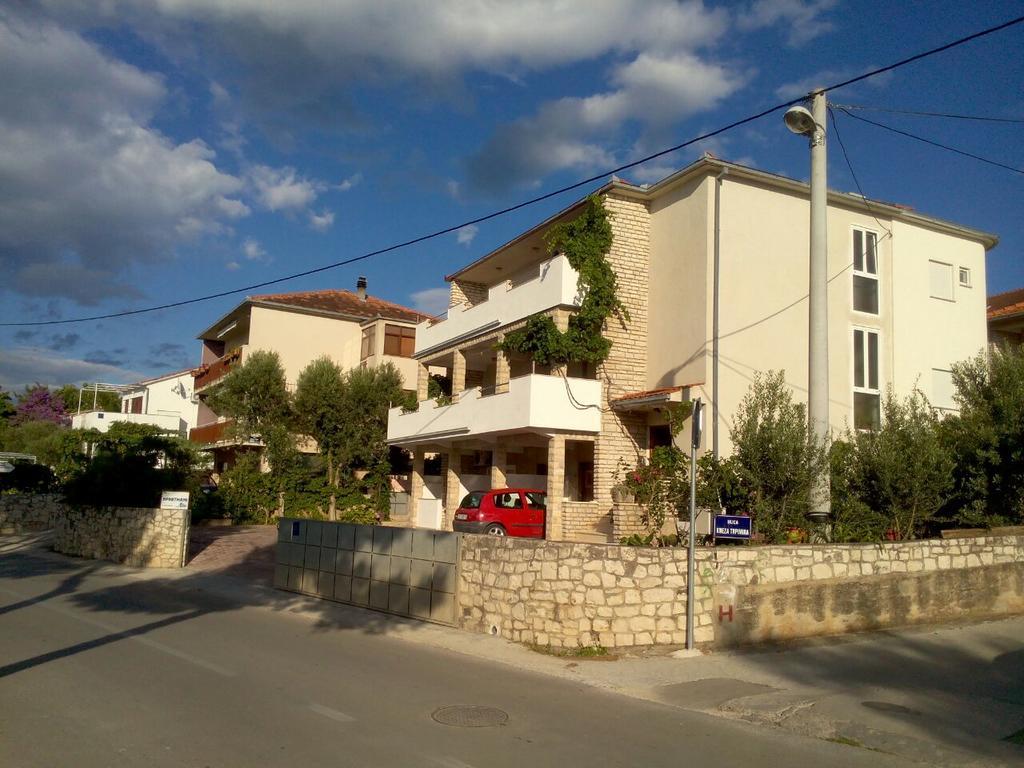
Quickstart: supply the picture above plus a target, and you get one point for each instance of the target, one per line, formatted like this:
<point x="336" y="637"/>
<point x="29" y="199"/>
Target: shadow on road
<point x="184" y="596"/>
<point x="962" y="690"/>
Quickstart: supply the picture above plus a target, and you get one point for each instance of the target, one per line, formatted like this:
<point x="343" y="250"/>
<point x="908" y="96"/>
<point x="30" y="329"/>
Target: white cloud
<point x="253" y="250"/>
<point x="465" y="235"/>
<point x="432" y="301"/>
<point x="87" y="187"/>
<point x="22" y="366"/>
<point x="802" y="18"/>
<point x="282" y="189"/>
<point x="322" y="221"/>
<point x="350" y="182"/>
<point x="232" y="266"/>
<point x="571" y="133"/>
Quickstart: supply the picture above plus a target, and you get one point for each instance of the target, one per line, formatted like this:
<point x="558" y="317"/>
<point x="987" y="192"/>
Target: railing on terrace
<point x="210" y="433"/>
<point x="205" y="375"/>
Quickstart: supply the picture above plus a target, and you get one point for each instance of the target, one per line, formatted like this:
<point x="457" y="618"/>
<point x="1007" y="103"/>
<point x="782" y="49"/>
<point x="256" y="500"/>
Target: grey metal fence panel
<point x="409" y="572"/>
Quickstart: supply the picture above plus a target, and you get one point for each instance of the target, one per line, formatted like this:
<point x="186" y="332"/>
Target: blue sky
<point x="157" y="150"/>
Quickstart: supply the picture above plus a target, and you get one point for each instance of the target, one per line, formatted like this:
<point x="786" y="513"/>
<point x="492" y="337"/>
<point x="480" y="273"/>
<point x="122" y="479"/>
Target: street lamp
<point x="811" y="123"/>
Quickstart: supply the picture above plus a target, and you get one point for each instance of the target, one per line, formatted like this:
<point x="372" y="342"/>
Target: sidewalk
<point x="941" y="695"/>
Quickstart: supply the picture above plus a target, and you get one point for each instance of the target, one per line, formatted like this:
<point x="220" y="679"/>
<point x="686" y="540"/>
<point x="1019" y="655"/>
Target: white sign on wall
<point x="174" y="500"/>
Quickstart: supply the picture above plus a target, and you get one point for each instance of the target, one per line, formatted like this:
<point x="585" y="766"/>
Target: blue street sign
<point x="732" y="527"/>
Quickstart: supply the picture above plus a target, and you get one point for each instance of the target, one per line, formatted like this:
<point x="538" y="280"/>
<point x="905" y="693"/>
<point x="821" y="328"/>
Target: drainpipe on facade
<point x="714" y="312"/>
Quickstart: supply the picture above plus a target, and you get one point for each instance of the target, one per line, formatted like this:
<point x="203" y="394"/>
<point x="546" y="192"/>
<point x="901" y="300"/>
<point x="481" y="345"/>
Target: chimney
<point x="361" y="288"/>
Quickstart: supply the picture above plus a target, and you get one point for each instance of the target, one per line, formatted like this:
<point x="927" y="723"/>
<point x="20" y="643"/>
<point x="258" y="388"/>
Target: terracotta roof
<point x="648" y="393"/>
<point x="344" y="303"/>
<point x="1006" y="304"/>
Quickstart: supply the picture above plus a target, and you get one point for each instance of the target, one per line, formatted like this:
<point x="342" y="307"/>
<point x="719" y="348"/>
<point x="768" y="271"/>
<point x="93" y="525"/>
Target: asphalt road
<point x="100" y="668"/>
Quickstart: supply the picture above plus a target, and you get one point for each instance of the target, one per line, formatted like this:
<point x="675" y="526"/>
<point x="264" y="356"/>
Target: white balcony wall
<point x="532" y="402"/>
<point x="554" y="286"/>
<point x="101" y="420"/>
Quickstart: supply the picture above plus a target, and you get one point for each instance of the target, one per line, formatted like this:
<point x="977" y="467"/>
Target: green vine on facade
<point x="585" y="241"/>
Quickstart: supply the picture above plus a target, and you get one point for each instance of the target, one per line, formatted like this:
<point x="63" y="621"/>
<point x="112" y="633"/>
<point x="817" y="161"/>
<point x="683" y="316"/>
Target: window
<point x="136" y="405"/>
<point x="369" y="342"/>
<point x="472" y="500"/>
<point x="865" y="271"/>
<point x="940" y="280"/>
<point x="399" y="341"/>
<point x="866" y="388"/>
<point x="965" y="277"/>
<point x="536" y="500"/>
<point x="942" y="389"/>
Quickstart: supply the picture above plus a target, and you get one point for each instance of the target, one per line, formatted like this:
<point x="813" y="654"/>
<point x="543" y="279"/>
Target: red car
<point x="504" y="512"/>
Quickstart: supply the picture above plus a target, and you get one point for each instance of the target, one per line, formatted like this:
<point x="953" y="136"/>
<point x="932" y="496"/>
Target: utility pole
<point x="812" y="125"/>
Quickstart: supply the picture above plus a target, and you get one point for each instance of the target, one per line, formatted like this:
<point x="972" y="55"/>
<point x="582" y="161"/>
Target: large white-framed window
<point x="867" y="388"/>
<point x="865" y="271"/>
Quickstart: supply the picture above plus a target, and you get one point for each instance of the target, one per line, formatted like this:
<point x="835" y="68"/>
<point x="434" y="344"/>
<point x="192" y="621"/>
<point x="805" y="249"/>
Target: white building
<point x="712" y="266"/>
<point x="165" y="402"/>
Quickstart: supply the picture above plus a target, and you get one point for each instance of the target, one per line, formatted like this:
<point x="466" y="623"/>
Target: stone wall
<point x="23" y="512"/>
<point x="564" y="595"/>
<point x="585" y="519"/>
<point x="466" y="292"/>
<point x="627" y="520"/>
<point x="147" y="538"/>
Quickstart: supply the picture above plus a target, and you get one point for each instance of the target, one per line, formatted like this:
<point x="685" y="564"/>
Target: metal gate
<point x="409" y="572"/>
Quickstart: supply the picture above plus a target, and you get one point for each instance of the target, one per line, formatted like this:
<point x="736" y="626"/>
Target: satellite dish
<point x="800" y="120"/>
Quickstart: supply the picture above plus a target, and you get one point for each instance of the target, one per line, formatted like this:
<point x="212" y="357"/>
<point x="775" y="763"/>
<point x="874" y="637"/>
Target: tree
<point x="367" y="393"/>
<point x="52" y="444"/>
<point x="38" y="403"/>
<point x="6" y="404"/>
<point x="776" y="457"/>
<point x="319" y="411"/>
<point x="255" y="395"/>
<point x="986" y="440"/>
<point x="131" y="464"/>
<point x="903" y="471"/>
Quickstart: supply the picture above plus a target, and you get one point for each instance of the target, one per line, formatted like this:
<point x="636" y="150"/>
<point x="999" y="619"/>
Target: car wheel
<point x="496" y="530"/>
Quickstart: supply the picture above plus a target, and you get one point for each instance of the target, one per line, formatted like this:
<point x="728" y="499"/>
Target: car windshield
<point x="472" y="501"/>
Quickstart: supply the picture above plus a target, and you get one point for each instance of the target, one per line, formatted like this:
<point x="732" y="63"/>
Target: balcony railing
<point x="205" y="375"/>
<point x="210" y="433"/>
<point x="554" y="286"/>
<point x="533" y="402"/>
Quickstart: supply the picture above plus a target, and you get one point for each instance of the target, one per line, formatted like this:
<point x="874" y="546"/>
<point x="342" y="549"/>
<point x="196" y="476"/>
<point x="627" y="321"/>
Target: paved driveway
<point x="243" y="551"/>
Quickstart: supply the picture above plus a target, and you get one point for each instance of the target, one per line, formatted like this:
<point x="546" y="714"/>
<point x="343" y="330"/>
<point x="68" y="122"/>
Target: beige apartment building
<point x="712" y="266"/>
<point x="352" y="328"/>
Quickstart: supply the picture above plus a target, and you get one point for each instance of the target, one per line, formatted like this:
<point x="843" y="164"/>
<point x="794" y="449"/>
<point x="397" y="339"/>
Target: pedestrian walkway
<point x="242" y="551"/>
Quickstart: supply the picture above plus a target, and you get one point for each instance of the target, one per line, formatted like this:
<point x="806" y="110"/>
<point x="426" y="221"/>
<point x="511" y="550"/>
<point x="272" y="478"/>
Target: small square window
<point x="965" y="277"/>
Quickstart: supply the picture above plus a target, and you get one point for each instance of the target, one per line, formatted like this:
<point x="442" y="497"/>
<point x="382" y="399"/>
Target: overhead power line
<point x="846" y="155"/>
<point x="934" y="143"/>
<point x="982" y="118"/>
<point x="534" y="200"/>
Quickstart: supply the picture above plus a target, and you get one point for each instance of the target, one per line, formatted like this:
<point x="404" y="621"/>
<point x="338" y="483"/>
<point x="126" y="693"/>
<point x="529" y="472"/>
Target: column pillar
<point x="502" y="372"/>
<point x="458" y="373"/>
<point x="556" y="486"/>
<point x="415" y="486"/>
<point x="452" y="492"/>
<point x="422" y="382"/>
<point x="499" y="462"/>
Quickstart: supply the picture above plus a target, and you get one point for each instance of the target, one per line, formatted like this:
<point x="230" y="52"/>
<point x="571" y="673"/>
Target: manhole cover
<point x="888" y="706"/>
<point x="469" y="716"/>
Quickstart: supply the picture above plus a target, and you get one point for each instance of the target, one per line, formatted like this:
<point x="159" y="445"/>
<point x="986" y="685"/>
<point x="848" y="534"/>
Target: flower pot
<point x="621" y="495"/>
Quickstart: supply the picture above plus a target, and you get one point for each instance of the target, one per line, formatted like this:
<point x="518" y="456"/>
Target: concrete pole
<point x="817" y="363"/>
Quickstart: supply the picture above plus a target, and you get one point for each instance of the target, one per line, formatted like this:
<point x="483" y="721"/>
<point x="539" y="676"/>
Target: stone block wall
<point x="146" y="538"/>
<point x="564" y="594"/>
<point x="466" y="292"/>
<point x="585" y="519"/>
<point x="627" y="520"/>
<point x="23" y="512"/>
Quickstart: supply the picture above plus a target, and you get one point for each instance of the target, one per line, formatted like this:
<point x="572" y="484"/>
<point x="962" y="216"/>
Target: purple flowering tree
<point x="39" y="404"/>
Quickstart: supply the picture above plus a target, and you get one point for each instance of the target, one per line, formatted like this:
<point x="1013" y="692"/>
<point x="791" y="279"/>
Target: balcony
<point x="533" y="402"/>
<point x="205" y="375"/>
<point x="101" y="420"/>
<point x="554" y="286"/>
<point x="210" y="433"/>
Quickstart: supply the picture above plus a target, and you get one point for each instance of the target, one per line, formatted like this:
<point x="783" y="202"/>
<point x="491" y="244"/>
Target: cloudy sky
<point x="157" y="150"/>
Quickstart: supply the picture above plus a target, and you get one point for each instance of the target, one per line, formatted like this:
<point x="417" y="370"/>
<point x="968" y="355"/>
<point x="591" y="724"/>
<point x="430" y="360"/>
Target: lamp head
<point x="800" y="120"/>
